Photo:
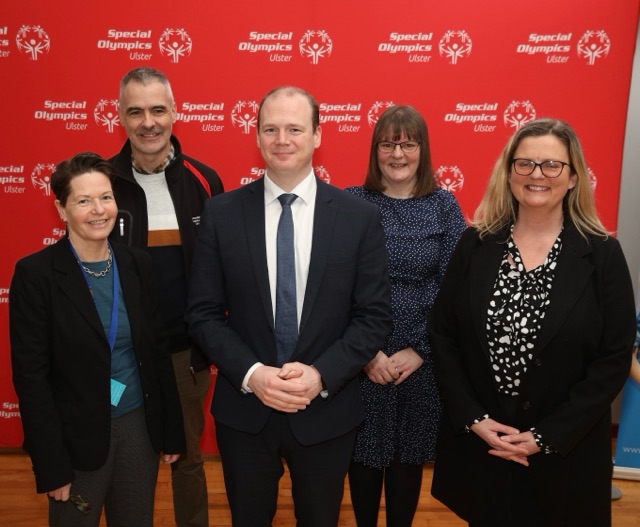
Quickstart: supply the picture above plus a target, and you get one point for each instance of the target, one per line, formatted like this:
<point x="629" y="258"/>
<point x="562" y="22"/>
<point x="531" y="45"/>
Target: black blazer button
<point x="537" y="361"/>
<point x="526" y="405"/>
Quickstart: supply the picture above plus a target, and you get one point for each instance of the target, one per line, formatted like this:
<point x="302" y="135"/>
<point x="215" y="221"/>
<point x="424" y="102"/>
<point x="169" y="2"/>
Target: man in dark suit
<point x="303" y="404"/>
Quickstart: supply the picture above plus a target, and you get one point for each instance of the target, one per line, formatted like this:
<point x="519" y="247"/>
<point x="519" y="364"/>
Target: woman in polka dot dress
<point x="422" y="224"/>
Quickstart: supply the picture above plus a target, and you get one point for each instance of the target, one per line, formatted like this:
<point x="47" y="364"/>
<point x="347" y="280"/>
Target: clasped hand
<point x="287" y="389"/>
<point x="506" y="442"/>
<point x="395" y="369"/>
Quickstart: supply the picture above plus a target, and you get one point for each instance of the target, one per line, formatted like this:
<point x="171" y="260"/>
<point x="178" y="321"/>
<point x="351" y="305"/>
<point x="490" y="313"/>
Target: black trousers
<point x="252" y="466"/>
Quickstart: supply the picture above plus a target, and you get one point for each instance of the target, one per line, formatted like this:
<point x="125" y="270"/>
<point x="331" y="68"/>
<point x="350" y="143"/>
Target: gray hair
<point x="146" y="76"/>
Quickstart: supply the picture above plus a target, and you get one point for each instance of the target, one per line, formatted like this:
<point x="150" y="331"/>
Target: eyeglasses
<point x="78" y="502"/>
<point x="83" y="506"/>
<point x="387" y="147"/>
<point x="549" y="168"/>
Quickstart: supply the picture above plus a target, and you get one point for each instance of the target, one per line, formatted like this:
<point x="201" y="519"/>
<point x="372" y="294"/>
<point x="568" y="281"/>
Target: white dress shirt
<point x="302" y="211"/>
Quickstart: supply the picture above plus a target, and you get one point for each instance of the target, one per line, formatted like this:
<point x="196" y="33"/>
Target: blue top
<point x="124" y="368"/>
<point x="402" y="421"/>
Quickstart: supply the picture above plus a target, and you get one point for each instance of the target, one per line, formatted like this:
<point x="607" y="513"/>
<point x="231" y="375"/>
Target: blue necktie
<point x="286" y="305"/>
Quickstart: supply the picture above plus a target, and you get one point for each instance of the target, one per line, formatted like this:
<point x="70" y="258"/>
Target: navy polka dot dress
<point x="402" y="421"/>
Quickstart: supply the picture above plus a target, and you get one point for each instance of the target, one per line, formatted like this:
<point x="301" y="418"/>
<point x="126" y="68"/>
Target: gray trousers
<point x="125" y="485"/>
<point x="188" y="480"/>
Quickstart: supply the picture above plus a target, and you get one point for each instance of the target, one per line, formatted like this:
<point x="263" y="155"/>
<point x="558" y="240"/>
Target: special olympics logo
<point x="519" y="113"/>
<point x="455" y="45"/>
<point x="106" y="114"/>
<point x="41" y="177"/>
<point x="315" y="45"/>
<point x="593" y="45"/>
<point x="449" y="178"/>
<point x="376" y="110"/>
<point x="322" y="173"/>
<point x="33" y="40"/>
<point x="175" y="43"/>
<point x="244" y="115"/>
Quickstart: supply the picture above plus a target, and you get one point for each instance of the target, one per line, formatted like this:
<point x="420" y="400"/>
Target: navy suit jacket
<point x="61" y="362"/>
<point x="345" y="317"/>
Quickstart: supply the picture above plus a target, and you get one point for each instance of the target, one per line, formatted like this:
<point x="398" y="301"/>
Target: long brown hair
<point x="392" y="124"/>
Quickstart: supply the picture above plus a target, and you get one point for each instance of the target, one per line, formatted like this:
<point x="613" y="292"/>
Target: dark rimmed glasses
<point x="386" y="147"/>
<point x="549" y="168"/>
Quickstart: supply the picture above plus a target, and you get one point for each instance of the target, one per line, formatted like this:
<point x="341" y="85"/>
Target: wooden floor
<point x="20" y="506"/>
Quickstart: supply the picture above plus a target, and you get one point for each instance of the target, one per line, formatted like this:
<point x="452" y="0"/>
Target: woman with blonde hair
<point x="499" y="207"/>
<point x="531" y="333"/>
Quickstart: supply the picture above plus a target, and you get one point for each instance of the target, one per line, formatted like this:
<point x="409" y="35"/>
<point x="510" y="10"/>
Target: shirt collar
<point x="160" y="168"/>
<point x="305" y="190"/>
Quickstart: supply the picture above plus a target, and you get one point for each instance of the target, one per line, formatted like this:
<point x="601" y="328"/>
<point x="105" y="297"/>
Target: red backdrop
<point x="475" y="70"/>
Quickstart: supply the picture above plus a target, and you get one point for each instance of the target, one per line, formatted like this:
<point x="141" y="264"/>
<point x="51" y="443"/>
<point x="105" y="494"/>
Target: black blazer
<point x="61" y="362"/>
<point x="345" y="317"/>
<point x="581" y="361"/>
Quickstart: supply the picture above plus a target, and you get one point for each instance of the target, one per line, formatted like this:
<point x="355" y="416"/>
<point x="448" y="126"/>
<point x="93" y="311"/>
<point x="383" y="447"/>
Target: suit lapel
<point x="72" y="284"/>
<point x="323" y="225"/>
<point x="253" y="203"/>
<point x="484" y="267"/>
<point x="572" y="273"/>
